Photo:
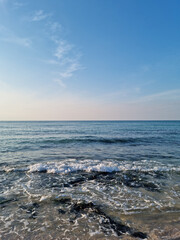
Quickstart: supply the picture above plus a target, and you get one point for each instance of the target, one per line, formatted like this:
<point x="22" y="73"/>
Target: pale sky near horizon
<point x="89" y="60"/>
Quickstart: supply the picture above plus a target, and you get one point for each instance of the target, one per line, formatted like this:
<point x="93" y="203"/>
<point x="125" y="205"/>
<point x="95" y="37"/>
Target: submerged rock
<point x="77" y="181"/>
<point x="79" y="206"/>
<point x="63" y="200"/>
<point x="61" y="211"/>
<point x="33" y="215"/>
<point x="31" y="209"/>
<point x="133" y="179"/>
<point x="7" y="200"/>
<point x="108" y="222"/>
<point x="137" y="179"/>
<point x="139" y="235"/>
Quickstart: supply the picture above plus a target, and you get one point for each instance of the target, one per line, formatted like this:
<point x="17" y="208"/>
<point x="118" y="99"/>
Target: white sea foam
<point x="72" y="167"/>
<point x="99" y="166"/>
<point x="44" y="198"/>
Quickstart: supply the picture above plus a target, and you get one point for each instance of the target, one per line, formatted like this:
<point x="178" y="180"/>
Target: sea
<point x="80" y="180"/>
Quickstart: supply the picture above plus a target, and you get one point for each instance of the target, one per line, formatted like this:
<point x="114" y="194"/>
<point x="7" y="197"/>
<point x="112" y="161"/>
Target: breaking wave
<point x="68" y="166"/>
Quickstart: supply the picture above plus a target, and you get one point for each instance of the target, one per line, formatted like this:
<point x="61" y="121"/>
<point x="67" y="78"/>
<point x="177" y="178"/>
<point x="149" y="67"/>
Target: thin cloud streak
<point x="60" y="82"/>
<point x="65" y="55"/>
<point x="67" y="58"/>
<point x="62" y="49"/>
<point x="8" y="36"/>
<point x="55" y="26"/>
<point x="52" y="62"/>
<point x="25" y="42"/>
<point x="39" y="16"/>
<point x="18" y="5"/>
<point x="70" y="70"/>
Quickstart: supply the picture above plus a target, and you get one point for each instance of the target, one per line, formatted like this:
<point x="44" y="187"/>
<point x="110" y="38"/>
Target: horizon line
<point x="108" y="120"/>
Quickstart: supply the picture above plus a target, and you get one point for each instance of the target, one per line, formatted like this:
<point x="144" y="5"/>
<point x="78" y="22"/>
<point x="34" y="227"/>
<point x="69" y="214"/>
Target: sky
<point x="89" y="60"/>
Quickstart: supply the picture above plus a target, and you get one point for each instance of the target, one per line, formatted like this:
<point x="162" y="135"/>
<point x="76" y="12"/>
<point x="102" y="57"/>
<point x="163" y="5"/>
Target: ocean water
<point x="90" y="180"/>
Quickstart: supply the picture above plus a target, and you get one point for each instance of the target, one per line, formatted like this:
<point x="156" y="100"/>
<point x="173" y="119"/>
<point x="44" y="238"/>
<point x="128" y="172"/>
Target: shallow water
<point x="90" y="180"/>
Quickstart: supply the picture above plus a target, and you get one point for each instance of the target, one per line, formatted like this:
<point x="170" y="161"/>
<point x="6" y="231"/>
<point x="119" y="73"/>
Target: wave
<point x="68" y="166"/>
<point x="40" y="143"/>
<point x="92" y="139"/>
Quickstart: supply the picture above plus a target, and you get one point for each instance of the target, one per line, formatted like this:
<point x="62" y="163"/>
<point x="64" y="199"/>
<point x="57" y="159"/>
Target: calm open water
<point x="90" y="180"/>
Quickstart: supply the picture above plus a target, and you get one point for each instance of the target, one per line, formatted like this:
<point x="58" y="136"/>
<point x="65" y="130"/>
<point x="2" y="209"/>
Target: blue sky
<point x="88" y="60"/>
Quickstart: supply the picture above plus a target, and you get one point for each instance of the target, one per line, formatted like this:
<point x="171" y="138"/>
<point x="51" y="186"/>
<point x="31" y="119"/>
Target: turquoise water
<point x="124" y="172"/>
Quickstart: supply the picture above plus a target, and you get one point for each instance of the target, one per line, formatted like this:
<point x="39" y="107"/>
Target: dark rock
<point x="31" y="209"/>
<point x="64" y="200"/>
<point x="35" y="205"/>
<point x="139" y="235"/>
<point x="119" y="228"/>
<point x="137" y="179"/>
<point x="81" y="206"/>
<point x="61" y="211"/>
<point x="43" y="171"/>
<point x="91" y="176"/>
<point x="77" y="181"/>
<point x="66" y="185"/>
<point x="150" y="187"/>
<point x="33" y="215"/>
<point x="108" y="222"/>
<point x="160" y="175"/>
<point x="100" y="175"/>
<point x="5" y="200"/>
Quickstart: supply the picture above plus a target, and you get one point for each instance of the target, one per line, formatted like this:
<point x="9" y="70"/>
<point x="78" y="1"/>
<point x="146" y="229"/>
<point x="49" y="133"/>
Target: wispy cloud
<point x="17" y="4"/>
<point x="39" y="16"/>
<point x="8" y="36"/>
<point x="60" y="82"/>
<point x="73" y="67"/>
<point x="55" y="26"/>
<point x="52" y="62"/>
<point x="67" y="73"/>
<point x="25" y="42"/>
<point x="62" y="49"/>
<point x="65" y="58"/>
